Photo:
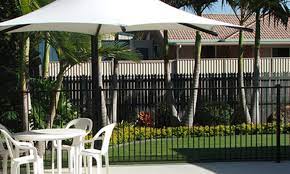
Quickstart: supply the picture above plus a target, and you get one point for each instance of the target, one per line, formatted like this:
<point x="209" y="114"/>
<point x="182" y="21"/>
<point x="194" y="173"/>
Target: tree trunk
<point x="114" y="91"/>
<point x="45" y="63"/>
<point x="189" y="117"/>
<point x="242" y="94"/>
<point x="24" y="82"/>
<point x="105" y="118"/>
<point x="168" y="83"/>
<point x="103" y="107"/>
<point x="255" y="111"/>
<point x="55" y="96"/>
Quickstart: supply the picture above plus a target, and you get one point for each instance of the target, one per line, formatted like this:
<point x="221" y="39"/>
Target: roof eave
<point x="231" y="42"/>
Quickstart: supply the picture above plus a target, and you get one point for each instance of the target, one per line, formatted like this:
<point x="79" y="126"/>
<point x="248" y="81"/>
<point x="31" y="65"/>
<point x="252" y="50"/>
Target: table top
<point x="49" y="134"/>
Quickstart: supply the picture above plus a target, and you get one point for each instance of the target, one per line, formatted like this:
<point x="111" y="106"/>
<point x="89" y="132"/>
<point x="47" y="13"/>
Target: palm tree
<point x="71" y="49"/>
<point x="25" y="6"/>
<point x="99" y="90"/>
<point x="278" y="11"/>
<point x="169" y="93"/>
<point x="198" y="7"/>
<point x="242" y="12"/>
<point x="170" y="104"/>
<point x="46" y="57"/>
<point x="117" y="51"/>
<point x="168" y="85"/>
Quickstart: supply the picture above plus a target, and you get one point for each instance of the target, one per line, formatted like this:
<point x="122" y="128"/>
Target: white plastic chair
<point x="17" y="161"/>
<point x="79" y="123"/>
<point x="96" y="153"/>
<point x="3" y="151"/>
<point x="5" y="154"/>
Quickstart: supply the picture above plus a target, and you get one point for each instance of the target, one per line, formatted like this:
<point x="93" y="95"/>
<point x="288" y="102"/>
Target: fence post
<point x="278" y="124"/>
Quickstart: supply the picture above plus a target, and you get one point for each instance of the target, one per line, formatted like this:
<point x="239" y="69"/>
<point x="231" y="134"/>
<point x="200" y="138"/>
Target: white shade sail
<point x="85" y="16"/>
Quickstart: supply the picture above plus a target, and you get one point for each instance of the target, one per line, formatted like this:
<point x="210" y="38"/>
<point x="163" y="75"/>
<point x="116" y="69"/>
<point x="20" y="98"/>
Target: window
<point x="281" y="52"/>
<point x="144" y="52"/>
<point x="208" y="52"/>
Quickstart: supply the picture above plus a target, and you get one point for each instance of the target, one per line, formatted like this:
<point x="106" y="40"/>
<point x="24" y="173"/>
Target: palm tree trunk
<point x="242" y="94"/>
<point x="105" y="118"/>
<point x="114" y="91"/>
<point x="45" y="64"/>
<point x="103" y="107"/>
<point x="255" y="112"/>
<point x="55" y="96"/>
<point x="168" y="83"/>
<point x="24" y="82"/>
<point x="189" y="117"/>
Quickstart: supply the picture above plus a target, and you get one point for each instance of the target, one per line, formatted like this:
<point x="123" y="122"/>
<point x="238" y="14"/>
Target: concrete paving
<point x="202" y="168"/>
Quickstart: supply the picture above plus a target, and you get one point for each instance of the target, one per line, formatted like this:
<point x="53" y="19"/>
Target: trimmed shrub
<point x="214" y="114"/>
<point x="164" y="117"/>
<point x="128" y="133"/>
<point x="285" y="115"/>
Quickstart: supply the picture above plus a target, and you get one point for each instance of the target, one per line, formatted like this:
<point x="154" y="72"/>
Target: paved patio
<point x="204" y="168"/>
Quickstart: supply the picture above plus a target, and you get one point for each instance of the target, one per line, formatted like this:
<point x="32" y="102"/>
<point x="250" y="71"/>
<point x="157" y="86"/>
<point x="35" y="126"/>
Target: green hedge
<point x="127" y="133"/>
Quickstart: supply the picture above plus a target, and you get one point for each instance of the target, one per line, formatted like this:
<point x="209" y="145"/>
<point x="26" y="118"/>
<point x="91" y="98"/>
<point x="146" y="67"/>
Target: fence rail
<point x="216" y="87"/>
<point x="180" y="66"/>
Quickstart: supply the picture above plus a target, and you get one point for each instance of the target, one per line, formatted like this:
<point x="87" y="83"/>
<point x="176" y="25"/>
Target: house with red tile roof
<point x="275" y="40"/>
<point x="223" y="49"/>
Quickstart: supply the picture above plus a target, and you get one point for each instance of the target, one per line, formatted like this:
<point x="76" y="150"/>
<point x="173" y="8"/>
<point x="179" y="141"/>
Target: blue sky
<point x="217" y="8"/>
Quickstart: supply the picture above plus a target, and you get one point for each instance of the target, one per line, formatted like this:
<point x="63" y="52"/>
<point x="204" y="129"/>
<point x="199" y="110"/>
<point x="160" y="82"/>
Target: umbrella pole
<point x="96" y="91"/>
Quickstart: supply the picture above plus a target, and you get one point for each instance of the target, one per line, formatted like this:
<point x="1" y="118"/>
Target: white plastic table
<point x="54" y="135"/>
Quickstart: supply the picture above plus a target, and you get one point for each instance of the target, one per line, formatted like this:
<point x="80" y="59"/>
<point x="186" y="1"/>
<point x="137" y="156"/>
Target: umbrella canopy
<point x="86" y="16"/>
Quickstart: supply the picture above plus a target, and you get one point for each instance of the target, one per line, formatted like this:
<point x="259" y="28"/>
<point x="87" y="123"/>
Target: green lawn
<point x="189" y="149"/>
<point x="207" y="148"/>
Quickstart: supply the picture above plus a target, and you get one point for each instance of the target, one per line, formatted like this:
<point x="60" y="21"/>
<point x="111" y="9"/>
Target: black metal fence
<point x="147" y="131"/>
<point x="228" y="80"/>
<point x="218" y="132"/>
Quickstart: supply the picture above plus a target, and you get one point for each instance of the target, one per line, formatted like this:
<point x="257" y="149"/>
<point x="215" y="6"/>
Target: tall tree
<point x="71" y="49"/>
<point x="278" y="11"/>
<point x="169" y="93"/>
<point x="242" y="12"/>
<point x="9" y="49"/>
<point x="169" y="97"/>
<point x="45" y="64"/>
<point x="46" y="57"/>
<point x="198" y="7"/>
<point x="103" y="108"/>
<point x="117" y="51"/>
<point x="25" y="6"/>
<point x="168" y="85"/>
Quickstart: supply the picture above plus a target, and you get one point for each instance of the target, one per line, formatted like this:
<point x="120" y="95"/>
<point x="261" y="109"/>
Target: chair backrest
<point x="107" y="131"/>
<point x="9" y="142"/>
<point x="4" y="128"/>
<point x="2" y="139"/>
<point x="81" y="123"/>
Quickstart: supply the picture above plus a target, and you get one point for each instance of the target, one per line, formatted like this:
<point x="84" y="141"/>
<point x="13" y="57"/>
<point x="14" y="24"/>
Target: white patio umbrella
<point x="85" y="16"/>
<point x="95" y="17"/>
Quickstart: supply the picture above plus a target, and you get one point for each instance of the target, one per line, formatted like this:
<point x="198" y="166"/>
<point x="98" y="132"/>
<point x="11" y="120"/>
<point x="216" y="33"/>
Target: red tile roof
<point x="269" y="31"/>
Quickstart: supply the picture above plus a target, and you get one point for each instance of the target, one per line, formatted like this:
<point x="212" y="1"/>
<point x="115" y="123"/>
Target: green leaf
<point x="119" y="51"/>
